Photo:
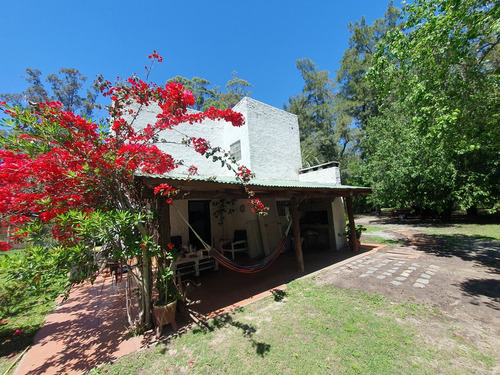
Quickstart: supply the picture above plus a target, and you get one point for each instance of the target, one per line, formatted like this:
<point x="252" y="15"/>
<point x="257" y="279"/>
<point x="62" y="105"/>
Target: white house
<point x="269" y="145"/>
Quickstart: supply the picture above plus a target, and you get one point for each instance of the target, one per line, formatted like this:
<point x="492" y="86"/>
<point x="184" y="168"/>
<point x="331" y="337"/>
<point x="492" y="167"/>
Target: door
<point x="199" y="219"/>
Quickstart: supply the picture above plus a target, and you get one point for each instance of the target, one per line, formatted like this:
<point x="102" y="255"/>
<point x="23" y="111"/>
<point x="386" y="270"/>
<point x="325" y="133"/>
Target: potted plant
<point x="165" y="308"/>
<point x="359" y="229"/>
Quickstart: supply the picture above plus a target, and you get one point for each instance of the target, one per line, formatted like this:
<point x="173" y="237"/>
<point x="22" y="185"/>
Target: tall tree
<point x="65" y="87"/>
<point x="443" y="69"/>
<point x="324" y="135"/>
<point x="206" y="97"/>
<point x="236" y="89"/>
<point x="356" y="97"/>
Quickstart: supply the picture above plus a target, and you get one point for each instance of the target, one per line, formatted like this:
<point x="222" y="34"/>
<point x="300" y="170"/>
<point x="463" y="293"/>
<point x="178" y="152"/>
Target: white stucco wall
<point x="273" y="141"/>
<point x="270" y="142"/>
<point x="327" y="175"/>
<point x="213" y="131"/>
<point x="177" y="226"/>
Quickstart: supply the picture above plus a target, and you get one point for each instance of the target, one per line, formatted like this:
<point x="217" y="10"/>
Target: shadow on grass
<point x="203" y="327"/>
<point x="21" y="312"/>
<point x="279" y="295"/>
<point x="489" y="288"/>
<point x="480" y="249"/>
<point x="247" y="331"/>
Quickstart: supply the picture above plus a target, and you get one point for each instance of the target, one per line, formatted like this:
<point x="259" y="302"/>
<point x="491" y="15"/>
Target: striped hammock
<point x="262" y="265"/>
<point x="228" y="263"/>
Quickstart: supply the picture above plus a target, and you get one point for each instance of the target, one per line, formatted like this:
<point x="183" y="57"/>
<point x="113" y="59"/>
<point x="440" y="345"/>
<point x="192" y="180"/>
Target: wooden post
<point x="294" y="210"/>
<point x="352" y="225"/>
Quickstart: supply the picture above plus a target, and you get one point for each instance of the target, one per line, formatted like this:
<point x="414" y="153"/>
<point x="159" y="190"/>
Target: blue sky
<point x="260" y="39"/>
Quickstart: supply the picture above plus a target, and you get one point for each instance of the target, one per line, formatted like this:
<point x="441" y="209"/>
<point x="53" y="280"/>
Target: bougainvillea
<point x="53" y="161"/>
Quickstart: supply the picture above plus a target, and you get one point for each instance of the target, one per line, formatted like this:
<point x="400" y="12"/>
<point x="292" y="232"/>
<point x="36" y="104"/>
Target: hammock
<point x="262" y="265"/>
<point x="228" y="263"/>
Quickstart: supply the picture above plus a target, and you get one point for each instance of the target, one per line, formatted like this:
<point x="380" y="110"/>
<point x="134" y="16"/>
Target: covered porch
<point x="314" y="211"/>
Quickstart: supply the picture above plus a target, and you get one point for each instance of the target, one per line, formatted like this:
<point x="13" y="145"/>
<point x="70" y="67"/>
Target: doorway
<point x="199" y="219"/>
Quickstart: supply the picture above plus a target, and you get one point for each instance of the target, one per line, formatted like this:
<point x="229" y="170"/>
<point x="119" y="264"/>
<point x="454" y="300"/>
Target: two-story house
<point x="269" y="145"/>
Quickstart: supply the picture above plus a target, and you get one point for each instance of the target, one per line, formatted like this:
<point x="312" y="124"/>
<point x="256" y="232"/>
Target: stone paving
<point x="395" y="271"/>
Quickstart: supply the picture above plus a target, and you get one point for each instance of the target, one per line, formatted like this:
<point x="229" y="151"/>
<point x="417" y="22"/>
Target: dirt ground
<point x="461" y="279"/>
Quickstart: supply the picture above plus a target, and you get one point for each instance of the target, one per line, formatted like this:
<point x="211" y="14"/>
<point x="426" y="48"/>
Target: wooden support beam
<point x="164" y="225"/>
<point x="352" y="225"/>
<point x="294" y="211"/>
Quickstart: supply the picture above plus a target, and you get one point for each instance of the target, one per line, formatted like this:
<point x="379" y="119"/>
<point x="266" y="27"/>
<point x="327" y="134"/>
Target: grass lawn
<point x="368" y="237"/>
<point x="479" y="231"/>
<point x="22" y="312"/>
<point x="314" y="329"/>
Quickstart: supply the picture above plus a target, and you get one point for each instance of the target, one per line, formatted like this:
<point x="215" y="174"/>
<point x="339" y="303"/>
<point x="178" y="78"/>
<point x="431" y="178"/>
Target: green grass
<point x="22" y="311"/>
<point x="480" y="231"/>
<point x="313" y="330"/>
<point x="380" y="240"/>
<point x="367" y="237"/>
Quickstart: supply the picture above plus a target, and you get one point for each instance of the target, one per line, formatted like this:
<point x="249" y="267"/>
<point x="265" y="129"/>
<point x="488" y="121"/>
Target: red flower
<point x="5" y="246"/>
<point x="200" y="145"/>
<point x="192" y="170"/>
<point x="156" y="56"/>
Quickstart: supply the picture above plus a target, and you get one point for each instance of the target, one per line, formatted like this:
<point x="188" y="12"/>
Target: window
<point x="235" y="149"/>
<point x="283" y="208"/>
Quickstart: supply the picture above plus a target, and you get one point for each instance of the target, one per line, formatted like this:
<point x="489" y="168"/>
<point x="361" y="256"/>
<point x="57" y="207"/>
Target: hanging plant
<point x="223" y="207"/>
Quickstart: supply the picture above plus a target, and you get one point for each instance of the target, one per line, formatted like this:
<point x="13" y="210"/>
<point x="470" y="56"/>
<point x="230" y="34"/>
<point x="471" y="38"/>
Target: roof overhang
<point x="228" y="188"/>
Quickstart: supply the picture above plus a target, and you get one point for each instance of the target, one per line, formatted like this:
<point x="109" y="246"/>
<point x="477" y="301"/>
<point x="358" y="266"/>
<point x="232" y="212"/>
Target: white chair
<point x="239" y="244"/>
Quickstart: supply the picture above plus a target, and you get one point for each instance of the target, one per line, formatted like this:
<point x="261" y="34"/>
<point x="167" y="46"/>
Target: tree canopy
<point x="206" y="97"/>
<point x="324" y="135"/>
<point x="333" y="113"/>
<point x="356" y="96"/>
<point x="65" y="88"/>
<point x="437" y="79"/>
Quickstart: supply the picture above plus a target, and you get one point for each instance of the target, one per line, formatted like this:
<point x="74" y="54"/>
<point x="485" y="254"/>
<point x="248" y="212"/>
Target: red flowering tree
<point x="67" y="184"/>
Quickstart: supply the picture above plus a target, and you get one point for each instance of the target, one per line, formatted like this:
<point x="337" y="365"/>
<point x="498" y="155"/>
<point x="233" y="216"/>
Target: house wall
<point x="273" y="141"/>
<point x="270" y="142"/>
<point x="213" y="131"/>
<point x="233" y="134"/>
<point x="241" y="218"/>
<point x="177" y="226"/>
<point x="329" y="175"/>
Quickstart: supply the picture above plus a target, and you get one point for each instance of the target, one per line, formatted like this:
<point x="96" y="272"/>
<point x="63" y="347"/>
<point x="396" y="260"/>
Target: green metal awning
<point x="227" y="186"/>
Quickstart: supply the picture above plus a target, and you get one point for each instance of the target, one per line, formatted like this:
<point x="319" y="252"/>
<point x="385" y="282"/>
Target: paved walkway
<point x="82" y="332"/>
<point x="396" y="272"/>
